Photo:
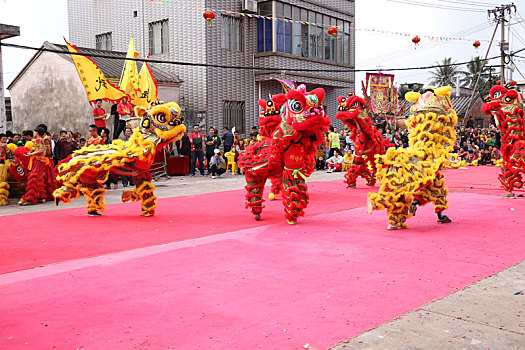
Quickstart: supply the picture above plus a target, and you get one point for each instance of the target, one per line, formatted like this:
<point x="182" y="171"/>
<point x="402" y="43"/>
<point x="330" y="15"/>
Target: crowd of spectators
<point x="474" y="144"/>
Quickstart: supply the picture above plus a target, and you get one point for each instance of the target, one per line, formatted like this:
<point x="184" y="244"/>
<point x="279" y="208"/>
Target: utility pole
<point x="499" y="15"/>
<point x="6" y="31"/>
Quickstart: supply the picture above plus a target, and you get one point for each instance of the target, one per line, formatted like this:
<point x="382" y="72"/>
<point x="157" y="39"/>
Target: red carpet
<point x="336" y="274"/>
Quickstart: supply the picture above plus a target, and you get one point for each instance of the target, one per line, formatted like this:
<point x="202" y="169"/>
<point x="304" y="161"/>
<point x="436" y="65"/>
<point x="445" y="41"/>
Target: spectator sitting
<point x="347" y="159"/>
<point x="239" y="148"/>
<point x="463" y="154"/>
<point x="320" y="163"/>
<point x="216" y="162"/>
<point x="485" y="158"/>
<point x="495" y="153"/>
<point x="335" y="163"/>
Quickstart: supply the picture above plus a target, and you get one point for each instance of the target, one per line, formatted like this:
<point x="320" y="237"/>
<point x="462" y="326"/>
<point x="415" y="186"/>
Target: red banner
<point x="380" y="87"/>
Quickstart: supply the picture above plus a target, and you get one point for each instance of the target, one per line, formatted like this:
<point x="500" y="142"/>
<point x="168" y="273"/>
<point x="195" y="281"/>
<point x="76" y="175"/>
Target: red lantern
<point x="332" y="31"/>
<point x="416" y="40"/>
<point x="208" y="15"/>
<point x="476" y="44"/>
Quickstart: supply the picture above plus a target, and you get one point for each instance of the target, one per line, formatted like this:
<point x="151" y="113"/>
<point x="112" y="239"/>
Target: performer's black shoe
<point x="413" y="207"/>
<point x="443" y="219"/>
<point x="93" y="213"/>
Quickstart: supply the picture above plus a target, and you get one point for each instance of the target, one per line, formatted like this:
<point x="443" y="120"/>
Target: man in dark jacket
<point x="213" y="141"/>
<point x="227" y="137"/>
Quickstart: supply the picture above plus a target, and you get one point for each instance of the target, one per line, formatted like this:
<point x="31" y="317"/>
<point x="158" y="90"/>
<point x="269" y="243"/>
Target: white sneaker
<point x="213" y="177"/>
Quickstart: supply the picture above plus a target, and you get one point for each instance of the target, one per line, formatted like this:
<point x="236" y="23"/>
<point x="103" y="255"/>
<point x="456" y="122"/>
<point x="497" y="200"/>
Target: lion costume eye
<point x="508" y="99"/>
<point x="355" y="104"/>
<point x="343" y="100"/>
<point x="269" y="103"/>
<point x="497" y="94"/>
<point x="295" y="106"/>
<point x="160" y="118"/>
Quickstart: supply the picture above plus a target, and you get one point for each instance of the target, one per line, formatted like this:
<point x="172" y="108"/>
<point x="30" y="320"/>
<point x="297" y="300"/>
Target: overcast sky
<point x="47" y="20"/>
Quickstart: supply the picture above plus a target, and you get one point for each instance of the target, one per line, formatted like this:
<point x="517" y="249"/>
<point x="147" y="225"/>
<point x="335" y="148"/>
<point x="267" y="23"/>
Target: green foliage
<point x="445" y="74"/>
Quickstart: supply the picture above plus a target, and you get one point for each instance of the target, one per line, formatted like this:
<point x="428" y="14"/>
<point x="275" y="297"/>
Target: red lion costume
<point x="506" y="105"/>
<point x="368" y="141"/>
<point x="289" y="153"/>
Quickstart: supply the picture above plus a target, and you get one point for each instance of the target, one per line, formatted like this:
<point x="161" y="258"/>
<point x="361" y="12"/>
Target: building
<point x="6" y="31"/>
<point x="48" y="89"/>
<point x="225" y="96"/>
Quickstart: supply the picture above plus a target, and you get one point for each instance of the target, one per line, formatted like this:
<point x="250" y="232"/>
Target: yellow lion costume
<point x="411" y="177"/>
<point x="88" y="168"/>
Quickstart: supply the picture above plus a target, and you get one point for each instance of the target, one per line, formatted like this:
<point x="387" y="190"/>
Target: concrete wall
<point x="50" y="92"/>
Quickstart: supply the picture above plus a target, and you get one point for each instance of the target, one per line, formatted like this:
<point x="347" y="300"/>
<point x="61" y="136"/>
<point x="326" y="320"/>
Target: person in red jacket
<point x="125" y="112"/>
<point x="99" y="114"/>
<point x="196" y="141"/>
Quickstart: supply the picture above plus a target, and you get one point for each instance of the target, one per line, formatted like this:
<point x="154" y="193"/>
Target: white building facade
<point x="228" y="97"/>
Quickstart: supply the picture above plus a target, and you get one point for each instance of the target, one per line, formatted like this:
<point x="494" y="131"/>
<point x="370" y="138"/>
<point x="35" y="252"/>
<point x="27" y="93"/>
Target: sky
<point x="47" y="20"/>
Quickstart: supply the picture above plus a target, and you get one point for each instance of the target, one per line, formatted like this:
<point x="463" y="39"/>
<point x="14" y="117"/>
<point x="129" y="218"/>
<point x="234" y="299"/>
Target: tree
<point x="487" y="79"/>
<point x="445" y="74"/>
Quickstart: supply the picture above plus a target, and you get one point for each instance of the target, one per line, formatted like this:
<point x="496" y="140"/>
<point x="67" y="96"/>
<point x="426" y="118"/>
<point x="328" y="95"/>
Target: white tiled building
<point x="227" y="97"/>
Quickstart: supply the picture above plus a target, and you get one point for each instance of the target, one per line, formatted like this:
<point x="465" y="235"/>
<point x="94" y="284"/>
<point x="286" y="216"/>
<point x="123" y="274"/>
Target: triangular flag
<point x="129" y="82"/>
<point x="147" y="86"/>
<point x="94" y="82"/>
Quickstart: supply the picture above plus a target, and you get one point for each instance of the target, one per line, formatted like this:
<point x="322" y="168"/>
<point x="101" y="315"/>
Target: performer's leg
<point x="276" y="187"/>
<point x="254" y="192"/>
<point x="94" y="194"/>
<point x="370" y="174"/>
<point x="144" y="189"/>
<point x="4" y="186"/>
<point x="510" y="177"/>
<point x="34" y="188"/>
<point x="351" y="175"/>
<point x="295" y="197"/>
<point x="397" y="210"/>
<point x="437" y="194"/>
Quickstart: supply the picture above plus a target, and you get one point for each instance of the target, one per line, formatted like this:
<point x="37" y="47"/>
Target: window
<point x="302" y="33"/>
<point x="232" y="33"/>
<point x="265" y="28"/>
<point x="284" y="28"/>
<point x="234" y="115"/>
<point x="103" y="42"/>
<point x="329" y="45"/>
<point x="159" y="37"/>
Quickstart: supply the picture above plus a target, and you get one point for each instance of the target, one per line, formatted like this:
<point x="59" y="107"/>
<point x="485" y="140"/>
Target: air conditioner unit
<point x="250" y="6"/>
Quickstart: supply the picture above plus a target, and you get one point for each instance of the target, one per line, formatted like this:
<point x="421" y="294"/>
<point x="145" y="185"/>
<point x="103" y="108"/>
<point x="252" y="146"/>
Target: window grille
<point x="234" y="115"/>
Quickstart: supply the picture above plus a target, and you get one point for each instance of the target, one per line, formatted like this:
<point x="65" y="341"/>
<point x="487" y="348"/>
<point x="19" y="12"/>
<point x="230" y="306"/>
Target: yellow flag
<point x="94" y="82"/>
<point x="129" y="82"/>
<point x="148" y="88"/>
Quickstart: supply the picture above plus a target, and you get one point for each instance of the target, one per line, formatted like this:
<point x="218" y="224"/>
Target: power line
<point x="469" y="3"/>
<point x="208" y="65"/>
<point x="442" y="7"/>
<point x="427" y="46"/>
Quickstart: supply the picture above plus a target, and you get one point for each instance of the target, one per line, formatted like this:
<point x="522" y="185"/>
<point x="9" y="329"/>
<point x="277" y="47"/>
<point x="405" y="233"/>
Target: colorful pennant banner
<point x="252" y="15"/>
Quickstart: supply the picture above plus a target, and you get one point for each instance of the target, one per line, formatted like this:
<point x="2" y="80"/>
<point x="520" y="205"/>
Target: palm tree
<point x="445" y="74"/>
<point x="471" y="74"/>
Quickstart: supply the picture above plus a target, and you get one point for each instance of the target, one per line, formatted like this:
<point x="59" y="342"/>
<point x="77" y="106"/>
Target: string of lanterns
<point x="209" y="14"/>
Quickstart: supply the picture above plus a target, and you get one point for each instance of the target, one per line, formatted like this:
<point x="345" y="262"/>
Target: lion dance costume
<point x="411" y="176"/>
<point x="506" y="105"/>
<point x="289" y="153"/>
<point x="14" y="173"/>
<point x="89" y="167"/>
<point x="368" y="141"/>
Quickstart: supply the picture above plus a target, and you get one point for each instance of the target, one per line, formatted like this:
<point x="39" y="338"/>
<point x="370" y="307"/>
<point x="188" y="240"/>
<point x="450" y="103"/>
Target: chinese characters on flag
<point x="93" y="80"/>
<point x="380" y="87"/>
